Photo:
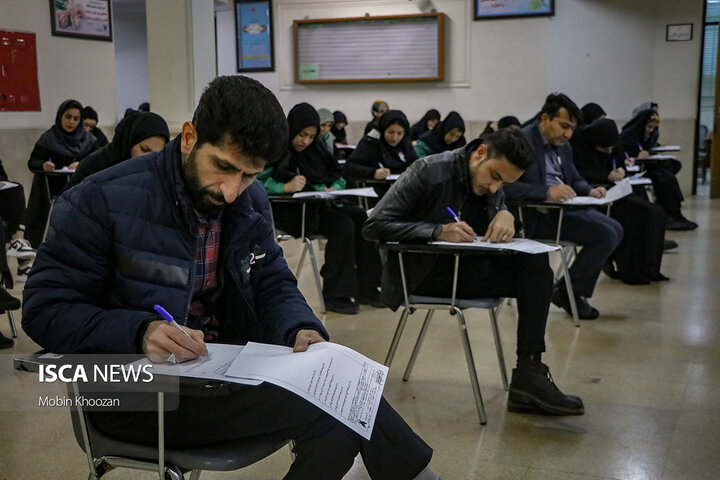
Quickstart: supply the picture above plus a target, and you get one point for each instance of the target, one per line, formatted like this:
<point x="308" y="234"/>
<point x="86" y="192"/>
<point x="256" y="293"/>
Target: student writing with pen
<point x="471" y="180"/>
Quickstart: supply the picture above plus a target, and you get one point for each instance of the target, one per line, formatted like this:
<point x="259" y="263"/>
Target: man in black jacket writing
<point x="469" y="181"/>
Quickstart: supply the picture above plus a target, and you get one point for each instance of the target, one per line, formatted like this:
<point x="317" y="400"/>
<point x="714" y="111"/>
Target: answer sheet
<point x="355" y="192"/>
<point x="335" y="378"/>
<point x="5" y="185"/>
<point x="517" y="244"/>
<point x="620" y="190"/>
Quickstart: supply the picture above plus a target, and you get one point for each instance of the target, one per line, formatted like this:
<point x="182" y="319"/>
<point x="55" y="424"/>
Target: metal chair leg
<point x="316" y="273"/>
<point x="498" y="345"/>
<point x="298" y="271"/>
<point x="396" y="337"/>
<point x="11" y="319"/>
<point x="471" y="366"/>
<point x="195" y="474"/>
<point x="418" y="344"/>
<point x="568" y="287"/>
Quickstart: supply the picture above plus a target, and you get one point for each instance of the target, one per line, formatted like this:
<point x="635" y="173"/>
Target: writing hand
<point x="305" y="338"/>
<point x="381" y="173"/>
<point x="560" y="193"/>
<point x="294" y="185"/>
<point x="501" y="228"/>
<point x="457" y="232"/>
<point x="48" y="166"/>
<point x="73" y="165"/>
<point x="598" y="192"/>
<point x="162" y="339"/>
<point x="616" y="174"/>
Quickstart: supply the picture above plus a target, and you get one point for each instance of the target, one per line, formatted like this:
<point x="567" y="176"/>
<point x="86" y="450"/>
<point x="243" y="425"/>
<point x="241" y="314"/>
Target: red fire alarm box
<point x="19" y="90"/>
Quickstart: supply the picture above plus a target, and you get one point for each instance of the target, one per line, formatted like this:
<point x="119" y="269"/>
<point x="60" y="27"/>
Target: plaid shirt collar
<point x="207" y="252"/>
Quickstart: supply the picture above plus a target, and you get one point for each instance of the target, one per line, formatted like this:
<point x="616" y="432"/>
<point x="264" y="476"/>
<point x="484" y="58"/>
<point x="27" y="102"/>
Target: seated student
<point x="120" y="239"/>
<point x="138" y="134"/>
<point x="90" y="121"/>
<point x="144" y="107"/>
<point x="65" y="144"/>
<point x="638" y="136"/>
<point x="591" y="112"/>
<point x="505" y="122"/>
<point x="382" y="152"/>
<point x="426" y="123"/>
<point x="326" y="138"/>
<point x="7" y="301"/>
<point x="338" y="128"/>
<point x="553" y="177"/>
<point x="469" y="181"/>
<point x="446" y="135"/>
<point x="638" y="257"/>
<point x="12" y="212"/>
<point x="646" y="106"/>
<point x="378" y="108"/>
<point x="352" y="265"/>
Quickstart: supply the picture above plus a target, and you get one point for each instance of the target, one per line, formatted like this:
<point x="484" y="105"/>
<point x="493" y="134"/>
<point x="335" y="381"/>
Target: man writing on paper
<point x="469" y="181"/>
<point x="179" y="228"/>
<point x="553" y="177"/>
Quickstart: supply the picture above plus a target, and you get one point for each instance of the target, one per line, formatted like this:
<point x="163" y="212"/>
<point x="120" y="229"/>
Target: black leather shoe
<point x="342" y="305"/>
<point x="7" y="301"/>
<point x="5" y="342"/>
<point x="371" y="298"/>
<point x="532" y="390"/>
<point x="680" y="224"/>
<point x="585" y="310"/>
<point x="669" y="245"/>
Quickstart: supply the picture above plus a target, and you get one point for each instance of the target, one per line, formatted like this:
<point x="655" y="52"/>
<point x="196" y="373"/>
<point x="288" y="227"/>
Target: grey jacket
<point x="414" y="210"/>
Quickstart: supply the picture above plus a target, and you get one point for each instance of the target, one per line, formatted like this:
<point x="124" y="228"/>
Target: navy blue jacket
<point x="122" y="241"/>
<point x="531" y="185"/>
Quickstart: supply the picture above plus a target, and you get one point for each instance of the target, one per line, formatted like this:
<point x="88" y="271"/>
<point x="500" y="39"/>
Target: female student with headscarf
<point x="338" y="128"/>
<point x="135" y="135"/>
<point x="378" y="108"/>
<point x="638" y="258"/>
<point x="64" y="144"/>
<point x="426" y="123"/>
<point x="383" y="151"/>
<point x="446" y="135"/>
<point x="352" y="264"/>
<point x="638" y="136"/>
<point x="591" y="112"/>
<point x="90" y="121"/>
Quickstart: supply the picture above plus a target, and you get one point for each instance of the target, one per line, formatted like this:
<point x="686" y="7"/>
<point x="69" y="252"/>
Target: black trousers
<point x="352" y="264"/>
<point x="638" y="257"/>
<point x="526" y="277"/>
<point x="599" y="236"/>
<point x="38" y="207"/>
<point x="324" y="447"/>
<point x="667" y="190"/>
<point x="12" y="208"/>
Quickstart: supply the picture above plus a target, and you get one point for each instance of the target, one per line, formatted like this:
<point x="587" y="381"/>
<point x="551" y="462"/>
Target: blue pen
<point x="453" y="214"/>
<point x="614" y="164"/>
<point x="166" y="315"/>
<point x="640" y="147"/>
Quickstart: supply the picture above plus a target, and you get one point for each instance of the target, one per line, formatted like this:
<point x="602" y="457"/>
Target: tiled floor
<point x="647" y="371"/>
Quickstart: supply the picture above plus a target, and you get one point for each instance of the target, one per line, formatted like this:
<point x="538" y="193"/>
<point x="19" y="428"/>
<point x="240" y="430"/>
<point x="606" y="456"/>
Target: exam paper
<point x="666" y="148"/>
<point x="621" y="189"/>
<point x="336" y="379"/>
<point x="355" y="192"/>
<point x="213" y="367"/>
<point x="657" y="157"/>
<point x="638" y="179"/>
<point x="517" y="244"/>
<point x="64" y="170"/>
<point x="632" y="168"/>
<point x="392" y="177"/>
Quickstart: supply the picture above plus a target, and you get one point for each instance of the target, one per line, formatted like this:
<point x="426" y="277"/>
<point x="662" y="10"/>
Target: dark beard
<point x="200" y="196"/>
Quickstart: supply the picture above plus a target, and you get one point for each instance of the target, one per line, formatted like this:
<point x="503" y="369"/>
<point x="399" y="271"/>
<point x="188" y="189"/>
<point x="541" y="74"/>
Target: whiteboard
<point x="393" y="49"/>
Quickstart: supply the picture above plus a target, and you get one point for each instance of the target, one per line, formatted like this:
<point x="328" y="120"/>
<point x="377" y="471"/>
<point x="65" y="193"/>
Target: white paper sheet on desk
<point x="392" y="176"/>
<point x="5" y="185"/>
<point x="632" y="168"/>
<point x="336" y="379"/>
<point x="213" y="367"/>
<point x="639" y="179"/>
<point x="620" y="190"/>
<point x="666" y="148"/>
<point x="658" y="157"/>
<point x="355" y="192"/>
<point x="517" y="244"/>
<point x="64" y="170"/>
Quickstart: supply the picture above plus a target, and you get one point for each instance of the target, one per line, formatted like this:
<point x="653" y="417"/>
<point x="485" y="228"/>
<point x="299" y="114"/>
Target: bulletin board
<point x="399" y="48"/>
<point x="19" y="90"/>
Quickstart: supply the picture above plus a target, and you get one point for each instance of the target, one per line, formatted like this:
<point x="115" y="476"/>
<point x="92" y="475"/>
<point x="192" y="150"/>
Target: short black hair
<point x="240" y="111"/>
<point x="557" y="101"/>
<point x="512" y="144"/>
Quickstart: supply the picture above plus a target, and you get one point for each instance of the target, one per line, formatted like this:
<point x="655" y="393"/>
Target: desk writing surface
<point x="523" y="245"/>
<point x="666" y="148"/>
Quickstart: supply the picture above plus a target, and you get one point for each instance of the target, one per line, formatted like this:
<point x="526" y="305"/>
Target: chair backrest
<point x="702" y="135"/>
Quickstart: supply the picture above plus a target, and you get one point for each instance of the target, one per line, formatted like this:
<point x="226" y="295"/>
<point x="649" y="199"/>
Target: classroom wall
<point x="67" y="68"/>
<point x="131" y="55"/>
<point x="612" y="52"/>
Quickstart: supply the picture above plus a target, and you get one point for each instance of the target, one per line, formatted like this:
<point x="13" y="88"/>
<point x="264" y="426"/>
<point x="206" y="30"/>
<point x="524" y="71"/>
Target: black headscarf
<point x="315" y="162"/>
<point x="508" y="121"/>
<point x="421" y="126"/>
<point x="435" y="138"/>
<point x="632" y="136"/>
<point x="340" y="135"/>
<point x="396" y="158"/>
<point x="591" y="112"/>
<point x="593" y="164"/>
<point x="144" y="107"/>
<point x="76" y="144"/>
<point x="131" y="130"/>
<point x="89" y="112"/>
<point x="644" y="106"/>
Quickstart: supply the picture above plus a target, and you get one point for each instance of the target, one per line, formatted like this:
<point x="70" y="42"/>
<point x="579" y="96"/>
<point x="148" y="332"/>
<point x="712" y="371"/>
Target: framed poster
<point x="679" y="32"/>
<point x="253" y="34"/>
<point x="489" y="9"/>
<point x="91" y="19"/>
<point x="19" y="90"/>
